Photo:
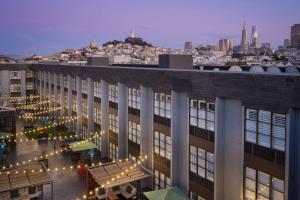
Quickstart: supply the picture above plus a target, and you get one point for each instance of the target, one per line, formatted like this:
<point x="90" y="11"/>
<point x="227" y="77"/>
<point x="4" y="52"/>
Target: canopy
<point x="118" y="173"/>
<point x="82" y="145"/>
<point x="5" y="135"/>
<point x="166" y="194"/>
<point x="14" y="178"/>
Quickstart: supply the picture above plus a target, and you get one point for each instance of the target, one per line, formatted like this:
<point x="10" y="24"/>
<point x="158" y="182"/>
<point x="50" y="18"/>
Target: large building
<point x="254" y="38"/>
<point x="220" y="134"/>
<point x="188" y="45"/>
<point x="295" y="35"/>
<point x="226" y="45"/>
<point x="244" y="42"/>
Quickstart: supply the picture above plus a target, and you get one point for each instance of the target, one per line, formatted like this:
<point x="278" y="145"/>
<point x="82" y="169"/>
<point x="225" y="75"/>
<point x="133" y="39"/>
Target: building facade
<point x="295" y="35"/>
<point x="214" y="134"/>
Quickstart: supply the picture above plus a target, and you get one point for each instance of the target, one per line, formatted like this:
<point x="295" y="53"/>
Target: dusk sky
<point x="49" y="26"/>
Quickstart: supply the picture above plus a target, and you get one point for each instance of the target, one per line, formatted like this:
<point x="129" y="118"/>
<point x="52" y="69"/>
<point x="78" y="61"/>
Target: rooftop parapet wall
<point x="276" y="92"/>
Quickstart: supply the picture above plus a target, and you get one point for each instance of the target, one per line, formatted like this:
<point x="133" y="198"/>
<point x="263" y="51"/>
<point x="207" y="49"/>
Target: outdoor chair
<point x="34" y="192"/>
<point x="100" y="193"/>
<point x="128" y="191"/>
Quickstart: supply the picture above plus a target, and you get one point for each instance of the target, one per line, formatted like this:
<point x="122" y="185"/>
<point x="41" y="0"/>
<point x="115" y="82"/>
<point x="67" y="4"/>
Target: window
<point x="194" y="196"/>
<point x="57" y="80"/>
<point x="74" y="104"/>
<point x="161" y="180"/>
<point x="134" y="98"/>
<point x="202" y="163"/>
<point x="162" y="105"/>
<point x="29" y="86"/>
<point x="134" y="132"/>
<point x="113" y="93"/>
<point x="259" y="185"/>
<point x="65" y="82"/>
<point x="97" y="89"/>
<point x="113" y="152"/>
<point x="51" y="78"/>
<point x="202" y="114"/>
<point x="15" y="88"/>
<point x="29" y="74"/>
<point x="65" y="100"/>
<point x="98" y="142"/>
<point x="15" y="75"/>
<point x="114" y="123"/>
<point x="74" y="83"/>
<point x="84" y="107"/>
<point x="84" y="86"/>
<point x="162" y="145"/>
<point x="84" y="132"/>
<point x="265" y="129"/>
<point x="97" y="114"/>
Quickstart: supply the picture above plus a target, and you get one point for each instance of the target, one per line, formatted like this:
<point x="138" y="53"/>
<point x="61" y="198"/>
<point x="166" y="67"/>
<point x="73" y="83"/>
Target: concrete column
<point x="90" y="105"/>
<point x="50" y="90"/>
<point x="23" y="82"/>
<point x="146" y="120"/>
<point x="104" y="119"/>
<point x="292" y="166"/>
<point x="229" y="149"/>
<point x="123" y="120"/>
<point x="180" y="138"/>
<point x="44" y="86"/>
<point x="61" y="91"/>
<point x="55" y="90"/>
<point x="40" y="85"/>
<point x="5" y="83"/>
<point x="69" y="79"/>
<point x="79" y="106"/>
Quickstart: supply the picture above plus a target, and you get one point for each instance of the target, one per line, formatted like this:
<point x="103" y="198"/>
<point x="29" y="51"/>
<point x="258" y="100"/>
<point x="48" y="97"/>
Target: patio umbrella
<point x="172" y="193"/>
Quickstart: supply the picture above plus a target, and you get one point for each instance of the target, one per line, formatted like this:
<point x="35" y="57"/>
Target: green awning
<point x="82" y="145"/>
<point x="172" y="193"/>
<point x="5" y="135"/>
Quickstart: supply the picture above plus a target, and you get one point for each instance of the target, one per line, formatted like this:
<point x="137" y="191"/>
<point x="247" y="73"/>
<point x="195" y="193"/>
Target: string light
<point x="38" y="102"/>
<point x="28" y="106"/>
<point x="72" y="167"/>
<point x="60" y="138"/>
<point x="20" y="97"/>
<point x="47" y="126"/>
<point x="33" y="115"/>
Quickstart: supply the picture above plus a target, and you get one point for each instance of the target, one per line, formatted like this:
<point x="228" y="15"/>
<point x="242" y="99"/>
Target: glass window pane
<point x="278" y="184"/>
<point x="249" y="195"/>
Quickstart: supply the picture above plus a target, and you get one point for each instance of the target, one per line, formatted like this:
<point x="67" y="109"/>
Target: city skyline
<point x="33" y="27"/>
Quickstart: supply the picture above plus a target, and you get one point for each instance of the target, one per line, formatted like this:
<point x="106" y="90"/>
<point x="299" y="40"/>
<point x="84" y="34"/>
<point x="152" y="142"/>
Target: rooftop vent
<point x="273" y="69"/>
<point x="235" y="69"/>
<point x="292" y="70"/>
<point x="175" y="61"/>
<point x="257" y="69"/>
<point x="98" y="61"/>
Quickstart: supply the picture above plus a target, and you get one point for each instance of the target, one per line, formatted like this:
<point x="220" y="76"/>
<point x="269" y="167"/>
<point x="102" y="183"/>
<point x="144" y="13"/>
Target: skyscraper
<point x="254" y="37"/>
<point x="295" y="35"/>
<point x="188" y="45"/>
<point x="244" y="42"/>
<point x="225" y="45"/>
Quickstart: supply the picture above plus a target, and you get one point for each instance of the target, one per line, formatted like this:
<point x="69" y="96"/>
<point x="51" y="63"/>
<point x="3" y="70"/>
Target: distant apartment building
<point x="225" y="134"/>
<point x="295" y="35"/>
